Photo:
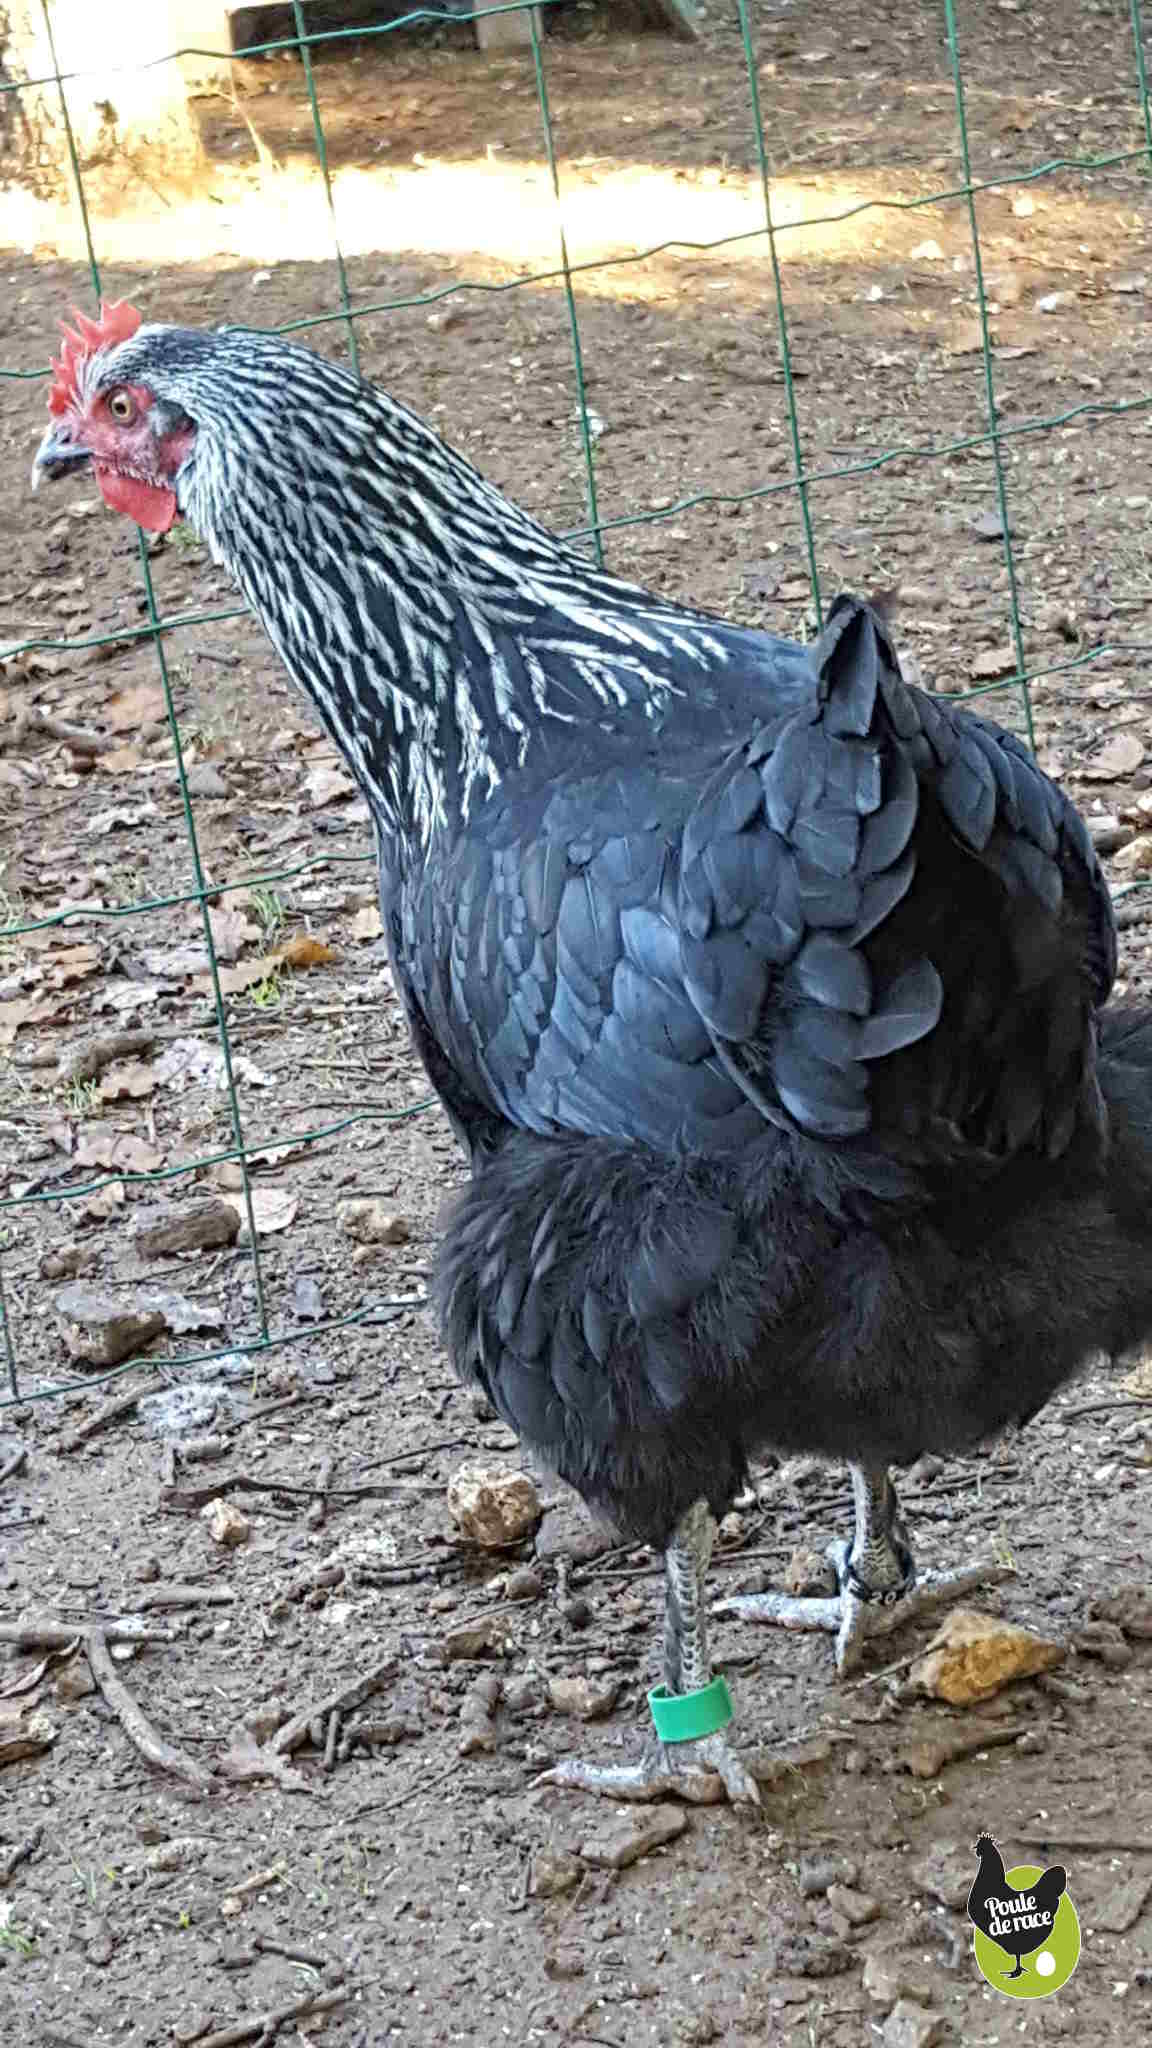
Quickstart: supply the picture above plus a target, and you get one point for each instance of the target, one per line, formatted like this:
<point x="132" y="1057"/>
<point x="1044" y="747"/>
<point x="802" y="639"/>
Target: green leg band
<point x="681" y="1716"/>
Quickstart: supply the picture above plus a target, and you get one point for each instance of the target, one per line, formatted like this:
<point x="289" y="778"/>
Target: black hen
<point x="760" y="988"/>
<point x="1018" y="1921"/>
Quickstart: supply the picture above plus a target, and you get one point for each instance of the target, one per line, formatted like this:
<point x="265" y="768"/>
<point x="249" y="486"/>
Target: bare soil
<point x="421" y="1870"/>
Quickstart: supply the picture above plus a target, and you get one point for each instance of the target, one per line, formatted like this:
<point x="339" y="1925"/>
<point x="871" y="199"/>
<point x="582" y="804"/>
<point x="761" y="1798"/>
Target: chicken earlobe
<point x="880" y="1588"/>
<point x="705" y="1768"/>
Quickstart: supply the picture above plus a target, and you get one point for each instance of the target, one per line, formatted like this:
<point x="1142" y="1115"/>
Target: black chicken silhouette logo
<point x="1027" y="1939"/>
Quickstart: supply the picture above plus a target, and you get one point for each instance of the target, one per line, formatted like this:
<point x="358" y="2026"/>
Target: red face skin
<point x="134" y="464"/>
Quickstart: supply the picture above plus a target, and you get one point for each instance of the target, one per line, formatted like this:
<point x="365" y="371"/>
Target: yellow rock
<point x="226" y="1525"/>
<point x="975" y="1655"/>
<point x="493" y="1507"/>
<point x="1139" y="1381"/>
<point x="1136" y="857"/>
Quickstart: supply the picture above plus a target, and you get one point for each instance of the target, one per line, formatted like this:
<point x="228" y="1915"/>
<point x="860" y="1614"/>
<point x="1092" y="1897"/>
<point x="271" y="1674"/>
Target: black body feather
<point x="808" y="1147"/>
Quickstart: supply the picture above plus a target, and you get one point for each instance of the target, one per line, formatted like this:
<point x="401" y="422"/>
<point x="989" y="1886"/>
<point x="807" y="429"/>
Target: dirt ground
<point x="415" y="1868"/>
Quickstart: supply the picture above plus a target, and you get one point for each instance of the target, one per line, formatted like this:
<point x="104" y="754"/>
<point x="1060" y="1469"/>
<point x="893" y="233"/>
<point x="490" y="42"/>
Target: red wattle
<point x="150" y="505"/>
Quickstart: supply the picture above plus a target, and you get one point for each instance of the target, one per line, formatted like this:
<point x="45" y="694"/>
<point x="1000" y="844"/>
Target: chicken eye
<point x="122" y="407"/>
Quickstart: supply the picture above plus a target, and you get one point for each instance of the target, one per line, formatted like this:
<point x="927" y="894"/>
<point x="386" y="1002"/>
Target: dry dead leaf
<point x="327" y="785"/>
<point x="20" y="1738"/>
<point x="366" y="923"/>
<point x="274" y="1155"/>
<point x="72" y="963"/>
<point x="124" y="819"/>
<point x="131" y="1079"/>
<point x="231" y="930"/>
<point x="300" y="952"/>
<point x="1121" y="755"/>
<point x="235" y="980"/>
<point x="180" y="1312"/>
<point x="966" y="339"/>
<point x="121" y="997"/>
<point x="143" y="704"/>
<point x="303" y="950"/>
<point x="272" y="1209"/>
<point x="117" y="1151"/>
<point x="12" y="1016"/>
<point x="119" y="760"/>
<point x="997" y="661"/>
<point x="174" y="963"/>
<point x="27" y="1682"/>
<point x="189" y="1062"/>
<point x="248" y="1759"/>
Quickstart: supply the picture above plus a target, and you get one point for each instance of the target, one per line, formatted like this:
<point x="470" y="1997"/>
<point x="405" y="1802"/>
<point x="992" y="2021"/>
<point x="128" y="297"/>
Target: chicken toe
<point x="704" y="1772"/>
<point x="880" y="1587"/>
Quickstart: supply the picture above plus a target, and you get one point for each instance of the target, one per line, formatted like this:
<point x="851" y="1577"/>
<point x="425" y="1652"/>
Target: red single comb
<point x="117" y="322"/>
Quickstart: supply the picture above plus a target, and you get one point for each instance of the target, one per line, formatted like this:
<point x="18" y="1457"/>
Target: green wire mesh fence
<point x="992" y="432"/>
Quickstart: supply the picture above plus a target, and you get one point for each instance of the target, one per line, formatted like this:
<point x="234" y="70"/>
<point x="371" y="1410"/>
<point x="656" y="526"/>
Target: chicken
<point x="760" y="989"/>
<point x="1019" y="1921"/>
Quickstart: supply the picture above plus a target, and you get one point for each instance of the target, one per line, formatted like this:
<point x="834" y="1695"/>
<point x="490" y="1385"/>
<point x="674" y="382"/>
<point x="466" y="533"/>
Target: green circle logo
<point x="1027" y="1941"/>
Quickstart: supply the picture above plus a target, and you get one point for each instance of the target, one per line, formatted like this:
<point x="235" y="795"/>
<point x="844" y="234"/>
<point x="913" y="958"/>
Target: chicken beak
<point x="58" y="455"/>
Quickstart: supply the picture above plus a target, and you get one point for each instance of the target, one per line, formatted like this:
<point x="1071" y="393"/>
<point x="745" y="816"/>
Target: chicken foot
<point x="704" y="1768"/>
<point x="880" y="1588"/>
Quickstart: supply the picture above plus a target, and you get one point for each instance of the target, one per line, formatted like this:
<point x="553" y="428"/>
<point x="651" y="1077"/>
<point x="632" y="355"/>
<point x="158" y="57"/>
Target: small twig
<point x="268" y="2024"/>
<point x="1091" y="1408"/>
<point x="1086" y="1845"/>
<point x="84" y="1062"/>
<point x="186" y="1499"/>
<point x="109" y="1411"/>
<point x="319" y="1507"/>
<point x="888" y="1671"/>
<point x="331" y="1739"/>
<point x="186" y="1596"/>
<point x="154" y="1747"/>
<point x="257" y="1881"/>
<point x="424" y="1560"/>
<point x="214" y="654"/>
<point x="292" y="1400"/>
<point x="390" y="1805"/>
<point x="61" y="1635"/>
<point x="21" y="1853"/>
<point x="444" y="1443"/>
<point x="14" y="1464"/>
<point x="78" y="737"/>
<point x="264" y="1945"/>
<point x="342" y="1701"/>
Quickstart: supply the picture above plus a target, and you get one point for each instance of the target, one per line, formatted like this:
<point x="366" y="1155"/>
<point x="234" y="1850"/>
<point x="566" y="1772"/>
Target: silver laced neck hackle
<point x="440" y="630"/>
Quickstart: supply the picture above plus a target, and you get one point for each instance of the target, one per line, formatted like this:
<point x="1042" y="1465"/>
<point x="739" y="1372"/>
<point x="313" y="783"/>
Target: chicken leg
<point x="703" y="1768"/>
<point x="880" y="1587"/>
